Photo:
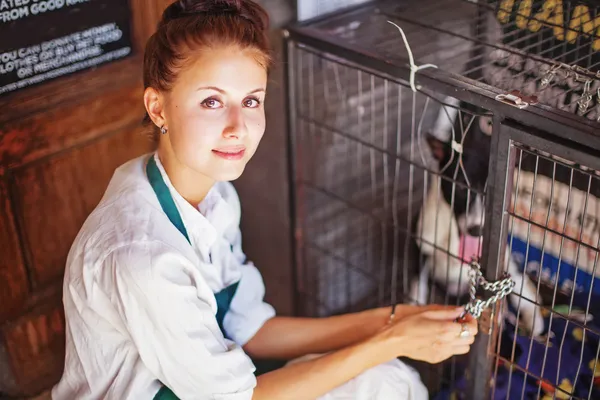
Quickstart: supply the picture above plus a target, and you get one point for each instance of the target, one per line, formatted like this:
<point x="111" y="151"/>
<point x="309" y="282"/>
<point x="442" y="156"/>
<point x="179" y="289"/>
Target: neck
<point x="190" y="184"/>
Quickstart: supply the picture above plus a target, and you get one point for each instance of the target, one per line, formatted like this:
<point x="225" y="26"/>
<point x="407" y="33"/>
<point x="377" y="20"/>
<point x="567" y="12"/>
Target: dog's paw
<point x="531" y="318"/>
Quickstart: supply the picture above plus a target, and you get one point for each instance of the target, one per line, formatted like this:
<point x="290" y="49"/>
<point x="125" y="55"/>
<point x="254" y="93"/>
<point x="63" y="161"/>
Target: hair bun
<point x="246" y="9"/>
<point x="211" y="6"/>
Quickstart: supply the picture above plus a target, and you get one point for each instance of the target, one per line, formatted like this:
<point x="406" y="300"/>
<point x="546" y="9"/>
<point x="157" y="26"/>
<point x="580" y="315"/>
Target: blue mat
<point x="569" y="367"/>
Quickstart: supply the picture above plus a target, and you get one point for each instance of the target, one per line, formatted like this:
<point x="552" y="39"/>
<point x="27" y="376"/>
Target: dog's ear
<point x="438" y="147"/>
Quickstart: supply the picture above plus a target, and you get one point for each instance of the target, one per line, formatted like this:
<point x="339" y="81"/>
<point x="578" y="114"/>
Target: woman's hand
<point x="407" y="310"/>
<point x="431" y="336"/>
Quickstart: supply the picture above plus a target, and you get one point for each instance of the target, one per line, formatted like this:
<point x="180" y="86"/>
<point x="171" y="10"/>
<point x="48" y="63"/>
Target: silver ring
<point x="464" y="331"/>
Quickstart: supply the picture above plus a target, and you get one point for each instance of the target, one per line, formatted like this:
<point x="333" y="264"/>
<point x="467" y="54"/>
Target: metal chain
<point x="581" y="75"/>
<point x="500" y="289"/>
<point x="598" y="112"/>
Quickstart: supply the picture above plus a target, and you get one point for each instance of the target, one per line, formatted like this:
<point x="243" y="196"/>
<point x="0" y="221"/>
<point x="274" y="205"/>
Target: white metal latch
<point x="516" y="99"/>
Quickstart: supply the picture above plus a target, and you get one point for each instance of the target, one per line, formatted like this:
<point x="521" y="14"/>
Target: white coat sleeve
<point x="170" y="316"/>
<point x="248" y="311"/>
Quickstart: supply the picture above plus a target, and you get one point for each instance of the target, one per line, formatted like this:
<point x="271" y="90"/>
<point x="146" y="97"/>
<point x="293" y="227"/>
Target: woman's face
<point x="215" y="114"/>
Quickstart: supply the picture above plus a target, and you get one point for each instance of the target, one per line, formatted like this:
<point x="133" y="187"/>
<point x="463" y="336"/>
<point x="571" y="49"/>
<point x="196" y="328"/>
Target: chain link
<point x="500" y="289"/>
<point x="579" y="74"/>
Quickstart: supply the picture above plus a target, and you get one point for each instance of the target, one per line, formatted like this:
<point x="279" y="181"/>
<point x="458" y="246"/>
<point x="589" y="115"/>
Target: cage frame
<point x="540" y="126"/>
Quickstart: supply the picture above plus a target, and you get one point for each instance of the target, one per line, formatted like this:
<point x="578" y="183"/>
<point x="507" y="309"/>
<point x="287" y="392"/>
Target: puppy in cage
<point x="557" y="348"/>
<point x="450" y="224"/>
<point x="536" y="357"/>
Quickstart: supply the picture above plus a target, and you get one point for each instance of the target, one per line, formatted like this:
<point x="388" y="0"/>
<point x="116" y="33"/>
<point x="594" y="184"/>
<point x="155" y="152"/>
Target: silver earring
<point x="163" y="130"/>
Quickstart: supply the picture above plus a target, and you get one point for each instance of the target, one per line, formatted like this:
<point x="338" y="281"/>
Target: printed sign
<point x="557" y="232"/>
<point x="567" y="32"/>
<point x="42" y="40"/>
<point x="557" y="207"/>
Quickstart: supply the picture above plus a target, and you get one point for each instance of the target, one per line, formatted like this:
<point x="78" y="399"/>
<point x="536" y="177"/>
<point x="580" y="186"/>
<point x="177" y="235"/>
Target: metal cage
<point x="389" y="183"/>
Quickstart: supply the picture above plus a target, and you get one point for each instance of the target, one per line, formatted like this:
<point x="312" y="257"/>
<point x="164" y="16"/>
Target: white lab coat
<point x="140" y="306"/>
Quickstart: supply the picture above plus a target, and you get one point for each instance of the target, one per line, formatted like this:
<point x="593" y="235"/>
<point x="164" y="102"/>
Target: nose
<point x="236" y="125"/>
<point x="475" y="230"/>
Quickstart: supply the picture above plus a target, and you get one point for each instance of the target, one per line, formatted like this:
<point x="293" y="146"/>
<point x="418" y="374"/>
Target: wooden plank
<point x="33" y="348"/>
<point x="145" y="17"/>
<point x="42" y="134"/>
<point x="59" y="145"/>
<point x="70" y="89"/>
<point x="56" y="196"/>
<point x="13" y="276"/>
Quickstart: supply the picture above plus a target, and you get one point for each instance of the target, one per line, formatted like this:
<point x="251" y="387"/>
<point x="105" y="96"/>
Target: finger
<point x="468" y="318"/>
<point x="461" y="350"/>
<point x="467" y="341"/>
<point x="456" y="330"/>
<point x="456" y="340"/>
<point x="459" y="341"/>
<point x="444" y="314"/>
<point x="473" y="327"/>
<point x="451" y="334"/>
<point x="440" y="307"/>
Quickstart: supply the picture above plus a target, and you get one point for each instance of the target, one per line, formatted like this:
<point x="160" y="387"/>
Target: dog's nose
<point x="475" y="230"/>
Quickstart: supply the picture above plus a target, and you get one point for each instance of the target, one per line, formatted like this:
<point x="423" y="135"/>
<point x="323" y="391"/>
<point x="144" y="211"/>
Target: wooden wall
<point x="59" y="145"/>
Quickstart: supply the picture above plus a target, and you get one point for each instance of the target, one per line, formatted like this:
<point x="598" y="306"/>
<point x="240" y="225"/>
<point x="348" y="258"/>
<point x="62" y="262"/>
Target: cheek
<point x="256" y="126"/>
<point x="195" y="135"/>
<point x="194" y="128"/>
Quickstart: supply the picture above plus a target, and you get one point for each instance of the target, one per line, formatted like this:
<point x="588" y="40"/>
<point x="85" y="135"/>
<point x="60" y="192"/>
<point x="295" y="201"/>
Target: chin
<point x="228" y="175"/>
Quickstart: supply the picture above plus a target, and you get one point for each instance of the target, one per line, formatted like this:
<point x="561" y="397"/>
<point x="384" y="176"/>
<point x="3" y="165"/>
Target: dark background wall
<point x="263" y="188"/>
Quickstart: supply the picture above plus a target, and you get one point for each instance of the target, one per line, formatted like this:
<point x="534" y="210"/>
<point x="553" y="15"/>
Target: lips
<point x="230" y="153"/>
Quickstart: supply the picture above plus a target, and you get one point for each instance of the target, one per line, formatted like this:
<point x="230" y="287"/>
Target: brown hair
<point x="191" y="25"/>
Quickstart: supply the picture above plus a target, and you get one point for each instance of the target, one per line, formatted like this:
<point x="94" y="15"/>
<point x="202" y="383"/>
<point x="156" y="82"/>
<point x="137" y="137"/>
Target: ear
<point x="153" y="102"/>
<point x="438" y="147"/>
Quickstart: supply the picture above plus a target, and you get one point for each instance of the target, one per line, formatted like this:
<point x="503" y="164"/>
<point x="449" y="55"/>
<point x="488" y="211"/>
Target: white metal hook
<point x="413" y="67"/>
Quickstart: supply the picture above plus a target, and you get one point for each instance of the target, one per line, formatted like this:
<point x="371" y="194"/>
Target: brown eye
<point x="211" y="103"/>
<point x="251" y="103"/>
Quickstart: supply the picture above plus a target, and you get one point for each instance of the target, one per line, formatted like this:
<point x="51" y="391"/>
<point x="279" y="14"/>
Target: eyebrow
<point x="216" y="89"/>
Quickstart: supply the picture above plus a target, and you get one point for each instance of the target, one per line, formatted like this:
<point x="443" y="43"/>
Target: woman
<point x="159" y="299"/>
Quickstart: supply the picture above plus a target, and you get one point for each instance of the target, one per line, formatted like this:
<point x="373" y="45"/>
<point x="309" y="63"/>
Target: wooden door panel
<point x="60" y="142"/>
<point x="58" y="194"/>
<point x="71" y="90"/>
<point x="33" y="349"/>
<point x="13" y="277"/>
<point x="28" y="139"/>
